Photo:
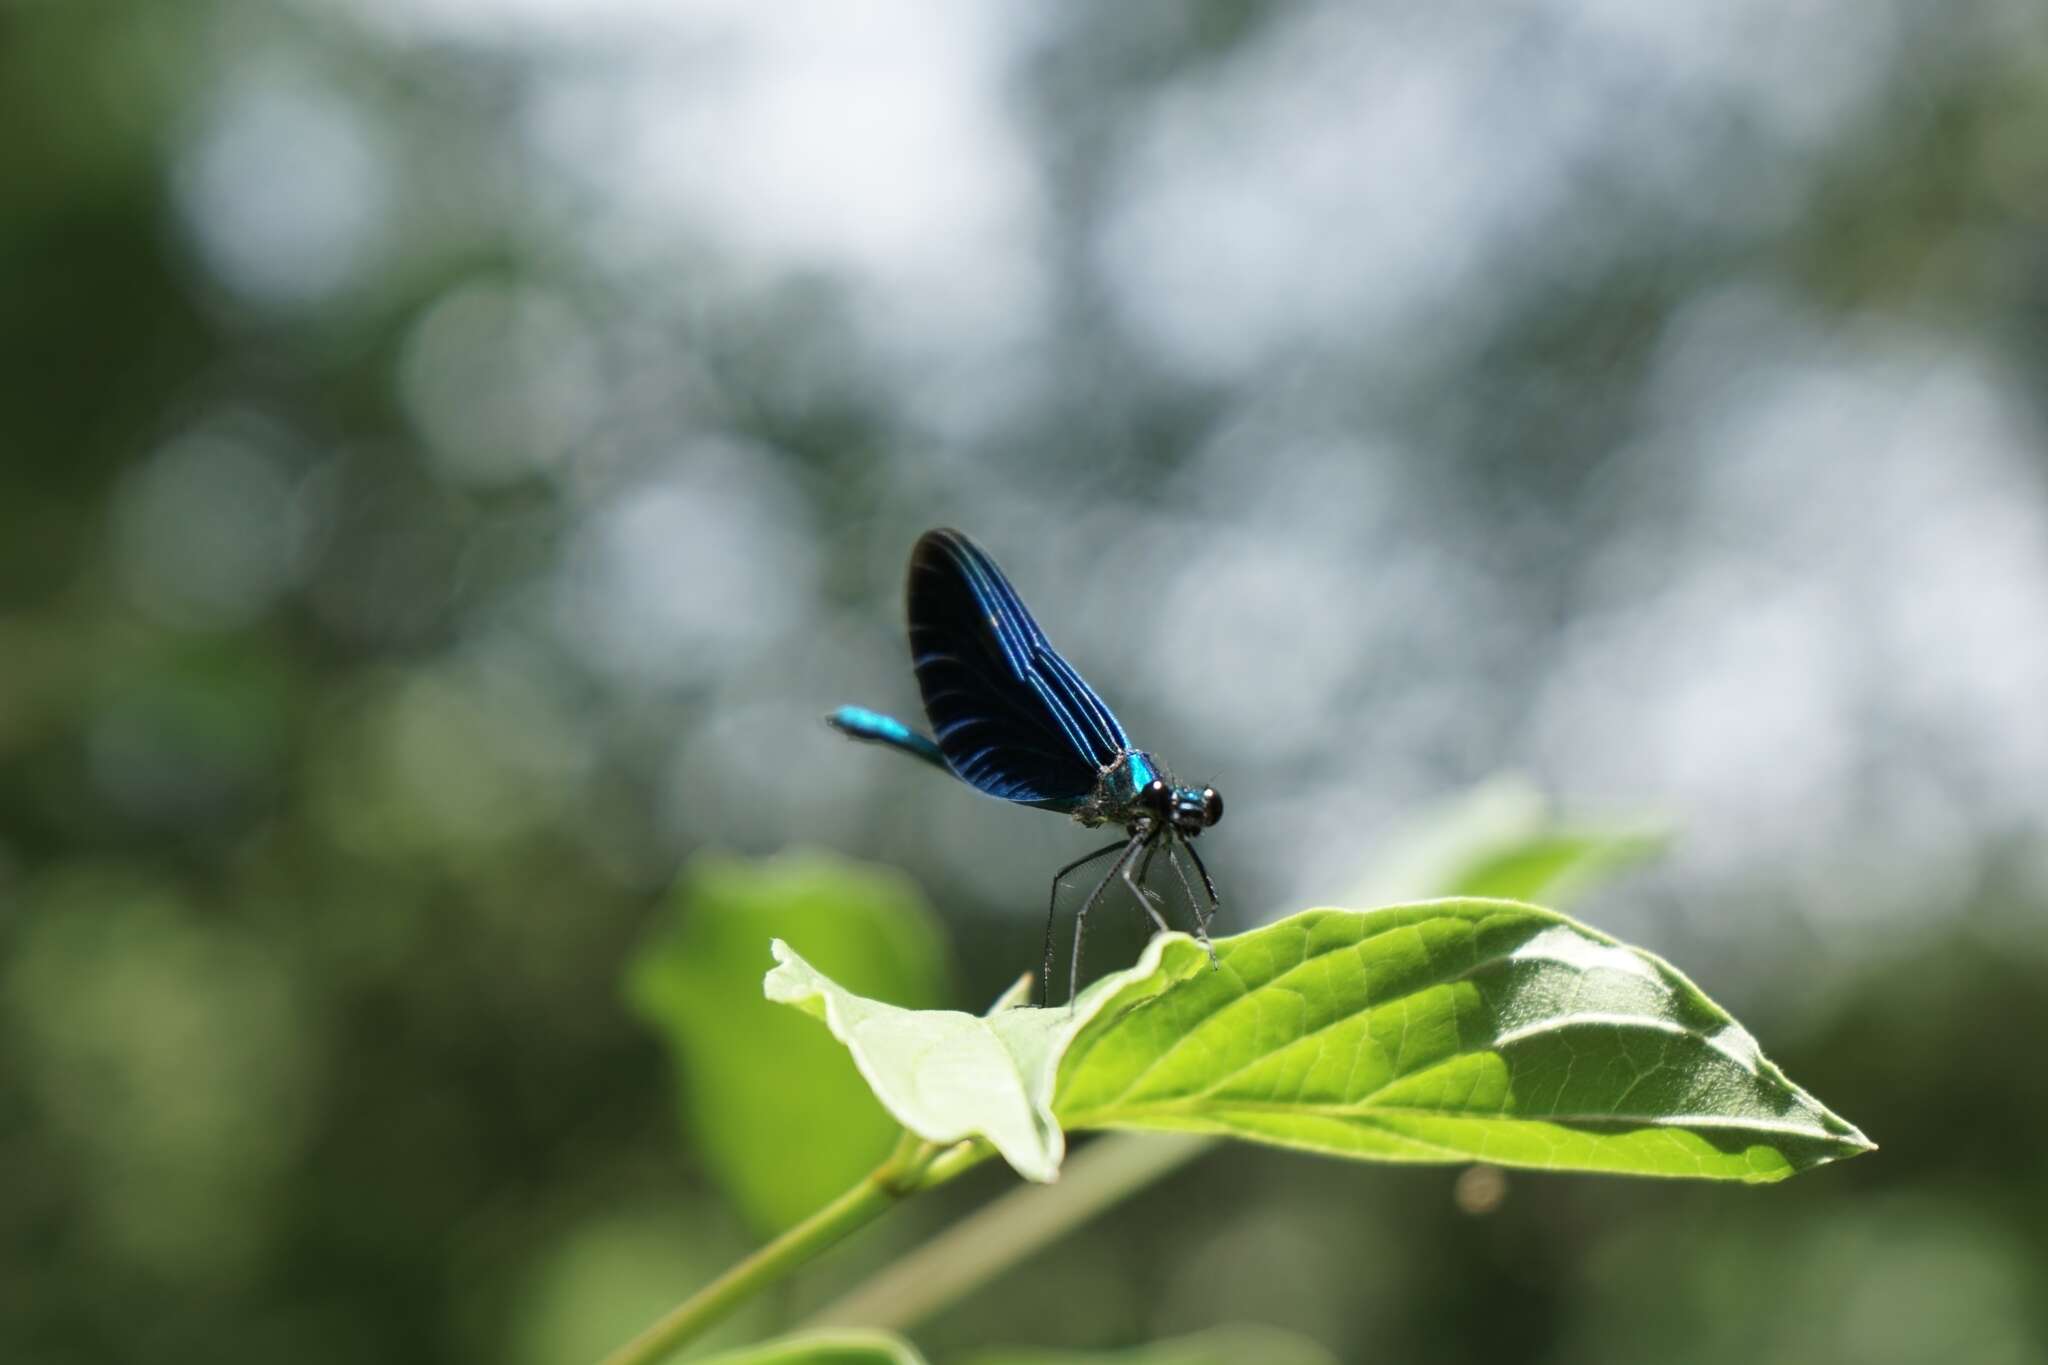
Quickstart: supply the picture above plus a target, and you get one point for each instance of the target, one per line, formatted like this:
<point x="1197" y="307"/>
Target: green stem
<point x="988" y="1242"/>
<point x="951" y="1161"/>
<point x="913" y="1166"/>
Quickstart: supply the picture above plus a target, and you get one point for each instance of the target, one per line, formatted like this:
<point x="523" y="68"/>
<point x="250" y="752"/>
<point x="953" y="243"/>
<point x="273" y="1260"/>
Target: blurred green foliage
<point x="847" y="1348"/>
<point x="1554" y="863"/>
<point x="608" y="1278"/>
<point x="772" y="1106"/>
<point x="1224" y="1346"/>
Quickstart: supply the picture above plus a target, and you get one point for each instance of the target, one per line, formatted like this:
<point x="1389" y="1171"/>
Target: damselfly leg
<point x="1207" y="884"/>
<point x="1143" y="895"/>
<point x="1120" y="865"/>
<point x="1052" y="910"/>
<point x="1195" y="905"/>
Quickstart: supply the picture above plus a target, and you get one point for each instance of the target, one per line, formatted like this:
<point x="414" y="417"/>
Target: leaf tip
<point x="785" y="983"/>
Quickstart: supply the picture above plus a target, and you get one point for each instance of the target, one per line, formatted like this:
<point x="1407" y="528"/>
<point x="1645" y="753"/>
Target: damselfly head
<point x="1190" y="810"/>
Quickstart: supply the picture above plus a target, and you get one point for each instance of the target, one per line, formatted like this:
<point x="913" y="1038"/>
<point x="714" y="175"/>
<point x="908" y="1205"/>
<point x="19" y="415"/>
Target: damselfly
<point x="1011" y="718"/>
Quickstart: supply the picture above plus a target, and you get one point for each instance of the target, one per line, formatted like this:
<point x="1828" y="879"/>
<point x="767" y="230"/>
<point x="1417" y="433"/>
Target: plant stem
<point x="913" y="1166"/>
<point x="1012" y="1228"/>
<point x="953" y="1161"/>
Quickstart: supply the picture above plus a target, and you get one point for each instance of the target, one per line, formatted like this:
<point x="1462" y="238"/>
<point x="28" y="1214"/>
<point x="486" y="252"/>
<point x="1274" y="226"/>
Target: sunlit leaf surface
<point x="947" y="1075"/>
<point x="1451" y="1031"/>
<point x="1447" y="1031"/>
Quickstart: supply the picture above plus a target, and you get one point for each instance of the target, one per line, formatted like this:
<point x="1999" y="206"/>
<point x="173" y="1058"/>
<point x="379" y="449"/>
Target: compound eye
<point x="1212" y="805"/>
<point x="1156" y="797"/>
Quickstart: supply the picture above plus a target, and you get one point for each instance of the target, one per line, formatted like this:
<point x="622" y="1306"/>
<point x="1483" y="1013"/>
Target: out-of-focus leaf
<point x="1503" y="840"/>
<point x="607" y="1276"/>
<point x="947" y="1075"/>
<point x="1218" y="1346"/>
<point x="776" y="1111"/>
<point x="1555" y="865"/>
<point x="1457" y="1030"/>
<point x="826" y="1348"/>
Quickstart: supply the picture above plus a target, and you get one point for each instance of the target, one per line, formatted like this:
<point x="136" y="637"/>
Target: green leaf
<point x="1503" y="840"/>
<point x="949" y="1076"/>
<point x="1217" y="1346"/>
<point x="1456" y="1030"/>
<point x="776" y="1112"/>
<point x="1450" y="1031"/>
<point x="825" y="1348"/>
<point x="1556" y="864"/>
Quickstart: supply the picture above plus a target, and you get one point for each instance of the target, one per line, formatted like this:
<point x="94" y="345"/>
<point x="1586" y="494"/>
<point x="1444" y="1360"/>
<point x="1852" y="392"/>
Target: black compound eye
<point x="1157" y="797"/>
<point x="1212" y="805"/>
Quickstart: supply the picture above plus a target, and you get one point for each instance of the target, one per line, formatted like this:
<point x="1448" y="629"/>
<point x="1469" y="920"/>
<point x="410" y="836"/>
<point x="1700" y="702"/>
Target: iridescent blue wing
<point x="1010" y="715"/>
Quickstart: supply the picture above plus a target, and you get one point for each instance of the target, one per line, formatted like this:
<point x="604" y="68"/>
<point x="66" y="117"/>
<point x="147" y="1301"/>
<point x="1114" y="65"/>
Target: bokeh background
<point x="453" y="451"/>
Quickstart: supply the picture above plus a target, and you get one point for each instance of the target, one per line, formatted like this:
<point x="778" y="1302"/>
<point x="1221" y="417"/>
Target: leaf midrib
<point x="1368" y="1112"/>
<point x="1668" y="1027"/>
<point x="1249" y="993"/>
